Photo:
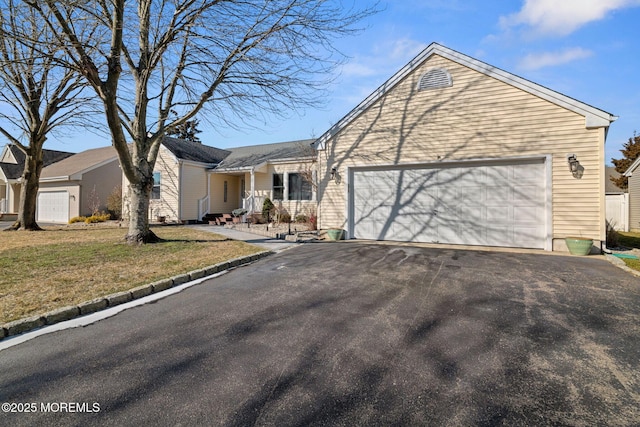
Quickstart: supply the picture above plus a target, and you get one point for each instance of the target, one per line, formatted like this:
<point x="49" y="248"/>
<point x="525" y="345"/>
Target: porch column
<point x="253" y="189"/>
<point x="314" y="181"/>
<point x="6" y="197"/>
<point x="285" y="178"/>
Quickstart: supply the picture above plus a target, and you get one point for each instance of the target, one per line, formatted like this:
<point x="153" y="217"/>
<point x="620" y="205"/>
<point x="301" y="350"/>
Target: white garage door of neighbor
<point x="488" y="204"/>
<point x="53" y="206"/>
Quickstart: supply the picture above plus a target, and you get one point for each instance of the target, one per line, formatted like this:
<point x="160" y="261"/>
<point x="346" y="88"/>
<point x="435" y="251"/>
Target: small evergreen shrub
<point x="301" y="218"/>
<point x="267" y="208"/>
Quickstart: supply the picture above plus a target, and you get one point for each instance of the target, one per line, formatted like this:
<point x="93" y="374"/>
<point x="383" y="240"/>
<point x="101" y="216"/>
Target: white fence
<point x="617" y="210"/>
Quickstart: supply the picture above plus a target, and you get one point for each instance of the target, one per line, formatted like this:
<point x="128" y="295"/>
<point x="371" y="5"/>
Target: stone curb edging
<point x="67" y="313"/>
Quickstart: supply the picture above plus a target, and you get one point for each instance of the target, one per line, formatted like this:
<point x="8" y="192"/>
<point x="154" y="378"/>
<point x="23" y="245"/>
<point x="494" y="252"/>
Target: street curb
<point x="28" y="324"/>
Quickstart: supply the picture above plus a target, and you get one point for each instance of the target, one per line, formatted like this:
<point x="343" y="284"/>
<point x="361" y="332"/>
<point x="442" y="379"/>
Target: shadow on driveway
<point x="356" y="334"/>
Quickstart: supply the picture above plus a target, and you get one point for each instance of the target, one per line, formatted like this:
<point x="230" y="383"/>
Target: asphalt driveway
<point x="352" y="334"/>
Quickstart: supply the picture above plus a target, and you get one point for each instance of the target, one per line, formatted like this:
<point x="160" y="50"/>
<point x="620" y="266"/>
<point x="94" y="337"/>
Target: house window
<point x="155" y="191"/>
<point x="299" y="188"/>
<point x="225" y="191"/>
<point x="278" y="186"/>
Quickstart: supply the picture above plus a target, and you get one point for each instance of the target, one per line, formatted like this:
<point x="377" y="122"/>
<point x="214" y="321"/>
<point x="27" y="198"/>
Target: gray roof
<point x="80" y="163"/>
<point x="14" y="170"/>
<point x="254" y="155"/>
<point x="609" y="186"/>
<point x="194" y="151"/>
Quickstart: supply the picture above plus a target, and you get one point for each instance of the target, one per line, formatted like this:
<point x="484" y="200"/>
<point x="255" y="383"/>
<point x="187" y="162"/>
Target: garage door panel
<point x="53" y="206"/>
<point x="479" y="205"/>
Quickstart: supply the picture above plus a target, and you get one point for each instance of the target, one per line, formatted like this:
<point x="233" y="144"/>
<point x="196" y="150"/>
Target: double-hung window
<point x="155" y="191"/>
<point x="278" y="186"/>
<point x="299" y="187"/>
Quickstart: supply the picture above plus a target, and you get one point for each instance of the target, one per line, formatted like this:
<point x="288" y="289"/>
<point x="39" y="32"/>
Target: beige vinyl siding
<point x="168" y="204"/>
<point x="292" y="207"/>
<point x="194" y="188"/>
<point x="634" y="201"/>
<point x="217" y="204"/>
<point x="478" y="117"/>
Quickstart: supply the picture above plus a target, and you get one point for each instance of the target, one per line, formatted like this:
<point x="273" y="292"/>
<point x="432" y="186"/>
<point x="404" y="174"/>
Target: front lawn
<point x="61" y="266"/>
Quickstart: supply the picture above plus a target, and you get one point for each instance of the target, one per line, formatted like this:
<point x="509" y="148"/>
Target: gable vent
<point x="435" y="79"/>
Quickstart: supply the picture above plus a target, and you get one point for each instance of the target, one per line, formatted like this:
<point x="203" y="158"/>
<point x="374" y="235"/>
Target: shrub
<point x="99" y="217"/>
<point x="267" y="208"/>
<point x="284" y="218"/>
<point x="77" y="219"/>
<point x="313" y="222"/>
<point x="613" y="238"/>
<point x="301" y="218"/>
<point x="114" y="203"/>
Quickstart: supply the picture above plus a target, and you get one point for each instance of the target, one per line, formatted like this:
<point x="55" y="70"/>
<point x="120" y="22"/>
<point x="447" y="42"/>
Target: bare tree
<point x="39" y="96"/>
<point x="234" y="60"/>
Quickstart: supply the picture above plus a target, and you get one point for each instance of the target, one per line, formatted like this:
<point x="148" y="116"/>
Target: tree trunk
<point x="139" y="232"/>
<point x="29" y="194"/>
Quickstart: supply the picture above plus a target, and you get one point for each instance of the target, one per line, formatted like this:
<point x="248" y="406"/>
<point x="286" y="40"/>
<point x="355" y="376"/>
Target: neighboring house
<point x="71" y="187"/>
<point x="12" y="161"/>
<point x="633" y="173"/>
<point x="617" y="201"/>
<point x="453" y="150"/>
<point x="193" y="180"/>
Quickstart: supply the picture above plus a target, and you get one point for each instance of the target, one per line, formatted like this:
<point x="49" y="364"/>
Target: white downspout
<point x="180" y="192"/>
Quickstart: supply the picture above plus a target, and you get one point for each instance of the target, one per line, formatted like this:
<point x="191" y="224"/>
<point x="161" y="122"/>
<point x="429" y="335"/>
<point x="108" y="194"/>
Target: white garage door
<point x="484" y="204"/>
<point x="53" y="206"/>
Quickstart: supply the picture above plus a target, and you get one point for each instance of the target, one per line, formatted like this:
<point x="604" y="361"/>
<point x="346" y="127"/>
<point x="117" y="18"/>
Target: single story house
<point x="71" y="187"/>
<point x="193" y="180"/>
<point x="633" y="173"/>
<point x="12" y="160"/>
<point x="453" y="150"/>
<point x="284" y="172"/>
<point x="181" y="182"/>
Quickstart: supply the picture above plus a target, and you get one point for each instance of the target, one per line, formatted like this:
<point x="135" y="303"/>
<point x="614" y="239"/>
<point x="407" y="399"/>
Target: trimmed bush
<point x="284" y="218"/>
<point x="267" y="208"/>
<point x="77" y="219"/>
<point x="301" y="218"/>
<point x="100" y="217"/>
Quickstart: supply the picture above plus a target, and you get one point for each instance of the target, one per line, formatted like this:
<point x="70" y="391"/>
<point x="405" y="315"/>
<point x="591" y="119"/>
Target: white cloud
<point x="354" y="68"/>
<point x="402" y="49"/>
<point x="385" y="58"/>
<point x="536" y="61"/>
<point x="562" y="17"/>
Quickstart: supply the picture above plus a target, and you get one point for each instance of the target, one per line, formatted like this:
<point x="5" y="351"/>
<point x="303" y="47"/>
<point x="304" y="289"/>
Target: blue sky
<point x="586" y="49"/>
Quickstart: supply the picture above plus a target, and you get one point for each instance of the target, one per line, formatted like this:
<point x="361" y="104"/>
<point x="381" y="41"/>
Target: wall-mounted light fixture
<point x="334" y="172"/>
<point x="573" y="163"/>
<point x="574" y="166"/>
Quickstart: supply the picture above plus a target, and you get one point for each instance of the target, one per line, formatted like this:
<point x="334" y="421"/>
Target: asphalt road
<point x="352" y="334"/>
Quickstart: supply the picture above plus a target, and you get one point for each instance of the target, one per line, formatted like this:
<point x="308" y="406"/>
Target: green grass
<point x="45" y="270"/>
<point x="630" y="240"/>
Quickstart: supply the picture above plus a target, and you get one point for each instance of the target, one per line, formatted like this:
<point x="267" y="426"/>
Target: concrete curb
<point x="21" y="326"/>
